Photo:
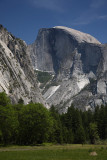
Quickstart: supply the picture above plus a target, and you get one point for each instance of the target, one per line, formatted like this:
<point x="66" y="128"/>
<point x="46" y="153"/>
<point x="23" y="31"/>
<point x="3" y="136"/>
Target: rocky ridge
<point x="17" y="77"/>
<point x="78" y="63"/>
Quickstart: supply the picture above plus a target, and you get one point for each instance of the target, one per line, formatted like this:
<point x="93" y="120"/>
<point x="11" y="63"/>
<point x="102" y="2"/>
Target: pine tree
<point x="57" y="135"/>
<point x="93" y="132"/>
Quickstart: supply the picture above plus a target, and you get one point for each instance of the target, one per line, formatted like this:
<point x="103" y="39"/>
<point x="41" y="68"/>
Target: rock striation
<point x="17" y="77"/>
<point x="78" y="63"/>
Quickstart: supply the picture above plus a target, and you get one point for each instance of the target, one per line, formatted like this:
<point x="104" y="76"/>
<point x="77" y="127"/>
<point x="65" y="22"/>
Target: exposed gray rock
<point x="79" y="63"/>
<point x="79" y="36"/>
<point x="17" y="77"/>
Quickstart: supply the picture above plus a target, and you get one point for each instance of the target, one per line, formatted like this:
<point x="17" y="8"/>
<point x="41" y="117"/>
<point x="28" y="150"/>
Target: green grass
<point x="54" y="152"/>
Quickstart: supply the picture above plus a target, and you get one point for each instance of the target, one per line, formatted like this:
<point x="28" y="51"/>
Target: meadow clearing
<point x="54" y="152"/>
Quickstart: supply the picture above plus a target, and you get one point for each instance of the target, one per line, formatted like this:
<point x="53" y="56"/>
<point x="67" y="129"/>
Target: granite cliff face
<point x="17" y="77"/>
<point x="78" y="64"/>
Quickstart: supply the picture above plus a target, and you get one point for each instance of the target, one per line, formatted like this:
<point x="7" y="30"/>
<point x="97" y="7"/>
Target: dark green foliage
<point x="34" y="124"/>
<point x="57" y="126"/>
<point x="4" y="100"/>
<point x="93" y="132"/>
<point x="80" y="135"/>
<point x="24" y="124"/>
<point x="73" y="123"/>
<point x="101" y="120"/>
<point x="20" y="101"/>
<point x="8" y="124"/>
<point x="43" y="77"/>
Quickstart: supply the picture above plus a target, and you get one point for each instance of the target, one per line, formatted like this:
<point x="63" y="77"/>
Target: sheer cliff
<point x="78" y="65"/>
<point x="17" y="77"/>
<point x="68" y="66"/>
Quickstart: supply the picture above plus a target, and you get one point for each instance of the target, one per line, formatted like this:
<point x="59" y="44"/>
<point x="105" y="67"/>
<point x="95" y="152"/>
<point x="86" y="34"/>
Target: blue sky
<point x="24" y="18"/>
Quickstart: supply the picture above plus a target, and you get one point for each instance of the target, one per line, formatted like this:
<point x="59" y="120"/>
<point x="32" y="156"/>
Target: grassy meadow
<point x="54" y="152"/>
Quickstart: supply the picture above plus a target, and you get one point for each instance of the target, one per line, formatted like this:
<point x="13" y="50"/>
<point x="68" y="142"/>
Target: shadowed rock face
<point x="52" y="48"/>
<point x="76" y="61"/>
<point x="79" y="63"/>
<point x="102" y="72"/>
<point x="17" y="77"/>
<point x="54" y="51"/>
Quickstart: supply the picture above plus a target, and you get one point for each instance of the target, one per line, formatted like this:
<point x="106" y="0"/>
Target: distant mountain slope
<point x="17" y="77"/>
<point x="78" y="63"/>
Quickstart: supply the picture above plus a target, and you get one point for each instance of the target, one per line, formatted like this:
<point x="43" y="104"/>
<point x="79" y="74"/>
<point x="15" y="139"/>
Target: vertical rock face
<point x="91" y="56"/>
<point x="17" y="77"/>
<point x="41" y="52"/>
<point x="78" y="62"/>
<point x="102" y="72"/>
<point x="54" y="50"/>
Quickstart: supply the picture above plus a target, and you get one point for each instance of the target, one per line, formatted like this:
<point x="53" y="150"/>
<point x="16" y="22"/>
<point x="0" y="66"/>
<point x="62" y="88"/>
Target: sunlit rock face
<point x="79" y="65"/>
<point x="17" y="77"/>
<point x="76" y="61"/>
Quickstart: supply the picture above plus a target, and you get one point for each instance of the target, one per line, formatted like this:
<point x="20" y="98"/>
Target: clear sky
<point x="23" y="18"/>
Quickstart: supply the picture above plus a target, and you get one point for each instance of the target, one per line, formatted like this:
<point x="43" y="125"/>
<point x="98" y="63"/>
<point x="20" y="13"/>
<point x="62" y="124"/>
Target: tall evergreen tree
<point x="8" y="124"/>
<point x="93" y="133"/>
<point x="57" y="135"/>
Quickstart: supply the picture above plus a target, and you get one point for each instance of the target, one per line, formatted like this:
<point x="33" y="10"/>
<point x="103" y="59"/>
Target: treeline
<point x="33" y="124"/>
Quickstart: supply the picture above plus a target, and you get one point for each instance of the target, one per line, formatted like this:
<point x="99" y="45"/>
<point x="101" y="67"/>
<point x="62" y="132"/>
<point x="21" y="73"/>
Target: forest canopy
<point x="34" y="124"/>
